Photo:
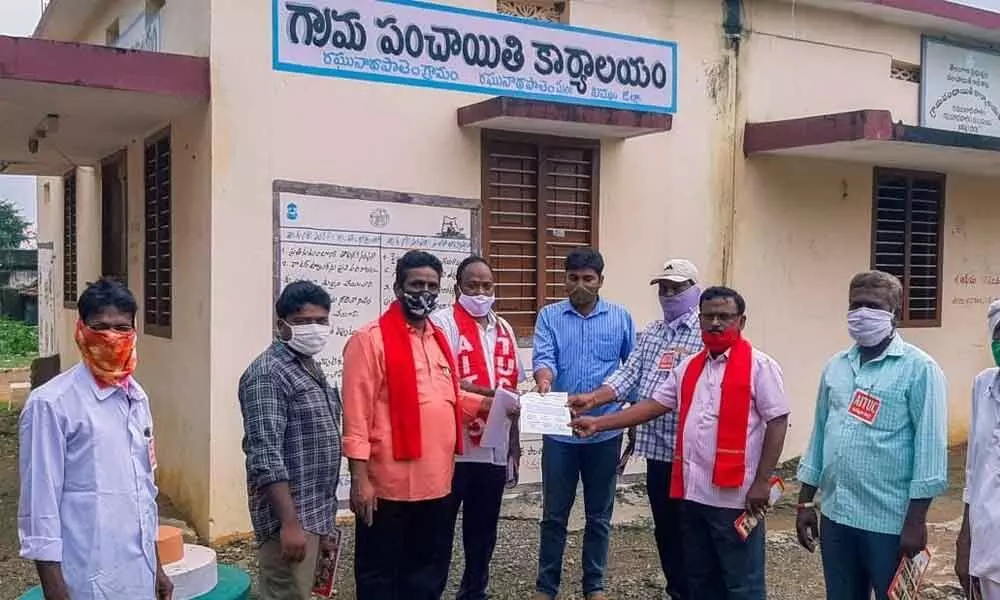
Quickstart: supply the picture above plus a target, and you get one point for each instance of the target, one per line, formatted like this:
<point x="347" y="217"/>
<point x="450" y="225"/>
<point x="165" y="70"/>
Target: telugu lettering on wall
<point x="960" y="88"/>
<point x="415" y="43"/>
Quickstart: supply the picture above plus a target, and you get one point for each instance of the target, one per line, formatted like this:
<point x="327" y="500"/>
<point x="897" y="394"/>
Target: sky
<point x="18" y="17"/>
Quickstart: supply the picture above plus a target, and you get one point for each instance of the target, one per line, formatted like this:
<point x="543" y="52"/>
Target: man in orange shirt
<point x="403" y="420"/>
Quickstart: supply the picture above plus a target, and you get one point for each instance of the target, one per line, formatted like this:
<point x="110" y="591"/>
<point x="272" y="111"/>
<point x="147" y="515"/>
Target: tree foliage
<point x="13" y="225"/>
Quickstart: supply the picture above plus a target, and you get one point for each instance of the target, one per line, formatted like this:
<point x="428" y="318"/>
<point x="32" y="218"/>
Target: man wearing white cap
<point x="978" y="557"/>
<point x="663" y="345"/>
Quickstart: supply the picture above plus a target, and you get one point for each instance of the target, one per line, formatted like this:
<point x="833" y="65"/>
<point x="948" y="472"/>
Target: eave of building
<point x="871" y="137"/>
<point x="102" y="98"/>
<point x="561" y="119"/>
<point x="931" y="16"/>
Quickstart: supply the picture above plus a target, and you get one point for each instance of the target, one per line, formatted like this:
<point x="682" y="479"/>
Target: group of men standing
<point x="418" y="386"/>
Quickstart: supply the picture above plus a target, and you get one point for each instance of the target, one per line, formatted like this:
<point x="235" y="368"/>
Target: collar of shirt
<point x="896" y="348"/>
<point x="688" y="320"/>
<point x="600" y="307"/>
<point x="103" y="393"/>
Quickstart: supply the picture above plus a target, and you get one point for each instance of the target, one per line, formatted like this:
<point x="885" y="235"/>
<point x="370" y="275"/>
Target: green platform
<point x="234" y="584"/>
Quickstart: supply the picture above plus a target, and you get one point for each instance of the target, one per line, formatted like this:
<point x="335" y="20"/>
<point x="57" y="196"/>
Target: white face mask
<point x="869" y="326"/>
<point x="308" y="339"/>
<point x="478" y="306"/>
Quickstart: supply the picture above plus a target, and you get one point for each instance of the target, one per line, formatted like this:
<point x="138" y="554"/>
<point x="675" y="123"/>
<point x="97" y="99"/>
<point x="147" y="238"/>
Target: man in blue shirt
<point x="878" y="451"/>
<point x="663" y="346"/>
<point x="578" y="344"/>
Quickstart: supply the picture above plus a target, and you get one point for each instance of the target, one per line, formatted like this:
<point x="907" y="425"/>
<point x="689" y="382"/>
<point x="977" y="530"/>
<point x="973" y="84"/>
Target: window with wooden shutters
<point x="539" y="202"/>
<point x="70" y="289"/>
<point x="158" y="259"/>
<point x="908" y="217"/>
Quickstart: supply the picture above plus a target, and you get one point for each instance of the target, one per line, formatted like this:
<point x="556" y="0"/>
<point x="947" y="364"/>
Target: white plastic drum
<point x="195" y="574"/>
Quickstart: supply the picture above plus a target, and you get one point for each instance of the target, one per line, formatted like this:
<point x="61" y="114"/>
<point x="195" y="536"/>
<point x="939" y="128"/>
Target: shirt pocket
<point x="893" y="412"/>
<point x="606" y="350"/>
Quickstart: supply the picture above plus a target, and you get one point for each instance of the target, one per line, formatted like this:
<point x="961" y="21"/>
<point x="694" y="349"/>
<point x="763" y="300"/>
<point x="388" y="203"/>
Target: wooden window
<point x="539" y="202"/>
<point x="907" y="228"/>
<point x="70" y="290"/>
<point x="158" y="257"/>
<point x="114" y="219"/>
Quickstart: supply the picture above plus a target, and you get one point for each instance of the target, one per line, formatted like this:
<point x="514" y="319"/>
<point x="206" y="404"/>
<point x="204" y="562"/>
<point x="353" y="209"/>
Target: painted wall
<point x="803" y="226"/>
<point x="800" y="61"/>
<point x="184" y="24"/>
<point x="309" y="128"/>
<point x="174" y="372"/>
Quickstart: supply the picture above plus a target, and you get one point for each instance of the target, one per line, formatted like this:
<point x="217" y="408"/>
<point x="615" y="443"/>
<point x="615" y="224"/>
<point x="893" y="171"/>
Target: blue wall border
<point x="278" y="65"/>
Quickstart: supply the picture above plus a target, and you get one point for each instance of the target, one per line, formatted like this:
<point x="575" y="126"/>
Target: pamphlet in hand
<point x="746" y="522"/>
<point x="906" y="584"/>
<point x="326" y="568"/>
<point x="545" y="415"/>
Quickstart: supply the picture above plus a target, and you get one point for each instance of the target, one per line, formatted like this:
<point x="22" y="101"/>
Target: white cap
<point x="678" y="270"/>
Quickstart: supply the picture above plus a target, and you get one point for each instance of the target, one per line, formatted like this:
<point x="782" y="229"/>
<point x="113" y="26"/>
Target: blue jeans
<point x="718" y="563"/>
<point x="855" y="561"/>
<point x="563" y="466"/>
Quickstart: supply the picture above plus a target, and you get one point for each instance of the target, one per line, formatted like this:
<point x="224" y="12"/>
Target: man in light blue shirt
<point x="578" y="344"/>
<point x="878" y="452"/>
<point x="87" y="514"/>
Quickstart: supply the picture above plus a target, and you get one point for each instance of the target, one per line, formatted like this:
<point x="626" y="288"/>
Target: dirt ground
<point x="633" y="569"/>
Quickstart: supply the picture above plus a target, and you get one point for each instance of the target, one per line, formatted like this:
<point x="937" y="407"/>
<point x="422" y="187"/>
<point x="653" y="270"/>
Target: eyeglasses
<point x="723" y="318"/>
<point x="121" y="328"/>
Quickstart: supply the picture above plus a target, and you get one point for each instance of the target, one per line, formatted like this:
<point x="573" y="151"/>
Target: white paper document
<point x="496" y="434"/>
<point x="545" y="415"/>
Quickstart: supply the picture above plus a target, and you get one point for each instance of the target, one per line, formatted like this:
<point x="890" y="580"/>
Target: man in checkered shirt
<point x="291" y="420"/>
<point x="662" y="346"/>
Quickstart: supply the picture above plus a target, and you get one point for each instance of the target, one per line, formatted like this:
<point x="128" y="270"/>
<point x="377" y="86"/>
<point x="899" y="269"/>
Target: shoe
<point x="596" y="596"/>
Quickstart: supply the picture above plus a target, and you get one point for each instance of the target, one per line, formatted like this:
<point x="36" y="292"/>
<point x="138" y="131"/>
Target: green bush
<point x="17" y="339"/>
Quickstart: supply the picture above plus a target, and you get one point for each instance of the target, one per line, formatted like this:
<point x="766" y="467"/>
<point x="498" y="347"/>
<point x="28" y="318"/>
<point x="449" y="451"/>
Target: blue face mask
<point x="679" y="304"/>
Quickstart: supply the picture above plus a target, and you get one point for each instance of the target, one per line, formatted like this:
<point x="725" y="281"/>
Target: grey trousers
<point x="280" y="580"/>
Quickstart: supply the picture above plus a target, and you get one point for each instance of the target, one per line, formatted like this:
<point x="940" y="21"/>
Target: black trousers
<point x="405" y="553"/>
<point x="477" y="489"/>
<point x="718" y="563"/>
<point x="667" y="527"/>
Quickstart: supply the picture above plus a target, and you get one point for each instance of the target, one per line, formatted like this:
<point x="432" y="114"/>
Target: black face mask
<point x="419" y="305"/>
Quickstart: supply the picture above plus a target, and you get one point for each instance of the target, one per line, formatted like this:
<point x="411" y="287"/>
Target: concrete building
<point x="206" y="152"/>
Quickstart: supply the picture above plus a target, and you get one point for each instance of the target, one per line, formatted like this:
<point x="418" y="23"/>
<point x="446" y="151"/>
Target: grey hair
<point x="993" y="317"/>
<point x="880" y="280"/>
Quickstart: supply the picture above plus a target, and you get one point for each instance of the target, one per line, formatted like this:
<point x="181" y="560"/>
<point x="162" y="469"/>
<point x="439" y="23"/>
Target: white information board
<point x="960" y="88"/>
<point x="349" y="246"/>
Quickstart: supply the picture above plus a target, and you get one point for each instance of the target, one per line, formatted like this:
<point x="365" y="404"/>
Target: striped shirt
<point x="660" y="349"/>
<point x="868" y="473"/>
<point x="582" y="351"/>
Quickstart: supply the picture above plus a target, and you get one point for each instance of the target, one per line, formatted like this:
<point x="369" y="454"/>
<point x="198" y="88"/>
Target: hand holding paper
<point x="497" y="428"/>
<point x="545" y="414"/>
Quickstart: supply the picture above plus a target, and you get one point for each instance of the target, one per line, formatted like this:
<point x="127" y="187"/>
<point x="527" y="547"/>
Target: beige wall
<point x="173" y="371"/>
<point x="805" y="61"/>
<point x="184" y="24"/>
<point x="804" y="229"/>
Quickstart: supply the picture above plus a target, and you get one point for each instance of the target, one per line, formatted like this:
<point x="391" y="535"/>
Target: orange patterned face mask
<point x="109" y="354"/>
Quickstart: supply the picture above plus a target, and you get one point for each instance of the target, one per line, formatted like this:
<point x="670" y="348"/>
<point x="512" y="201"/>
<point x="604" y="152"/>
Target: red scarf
<point x="109" y="354"/>
<point x="401" y="380"/>
<point x="734" y="416"/>
<point x="472" y="361"/>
